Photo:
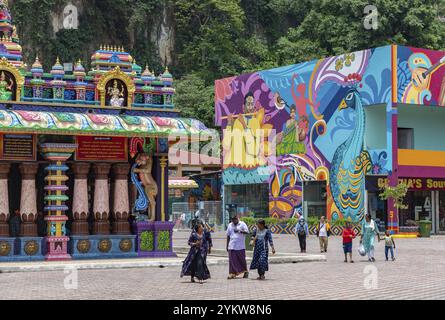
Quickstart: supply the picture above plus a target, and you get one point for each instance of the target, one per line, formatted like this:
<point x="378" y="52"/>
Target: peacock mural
<point x="350" y="164"/>
<point x="306" y="104"/>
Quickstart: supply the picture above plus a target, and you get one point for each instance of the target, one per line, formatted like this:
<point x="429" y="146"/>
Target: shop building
<point x="333" y="131"/>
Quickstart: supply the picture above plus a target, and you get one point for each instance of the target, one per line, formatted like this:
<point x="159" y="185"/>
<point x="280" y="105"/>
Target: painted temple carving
<point x="143" y="168"/>
<point x="116" y="95"/>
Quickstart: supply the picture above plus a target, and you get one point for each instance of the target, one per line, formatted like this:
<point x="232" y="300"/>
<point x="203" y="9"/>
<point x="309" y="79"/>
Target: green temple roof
<point x="96" y="124"/>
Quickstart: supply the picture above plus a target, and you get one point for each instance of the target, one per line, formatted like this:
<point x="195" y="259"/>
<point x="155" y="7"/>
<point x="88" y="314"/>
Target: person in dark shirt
<point x="41" y="225"/>
<point x="14" y="224"/>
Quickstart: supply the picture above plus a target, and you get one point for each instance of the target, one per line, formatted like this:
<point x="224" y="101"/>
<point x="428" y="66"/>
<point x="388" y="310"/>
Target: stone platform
<point x="102" y="246"/>
<point x="22" y="249"/>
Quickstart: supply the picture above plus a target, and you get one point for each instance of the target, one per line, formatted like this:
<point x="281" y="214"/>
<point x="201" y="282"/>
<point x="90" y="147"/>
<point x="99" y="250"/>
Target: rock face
<point x="163" y="36"/>
<point x="72" y="14"/>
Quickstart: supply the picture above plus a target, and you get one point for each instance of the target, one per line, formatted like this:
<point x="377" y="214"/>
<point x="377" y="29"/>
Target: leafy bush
<point x="249" y="220"/>
<point x="147" y="241"/>
<point x="312" y="220"/>
<point x="164" y="240"/>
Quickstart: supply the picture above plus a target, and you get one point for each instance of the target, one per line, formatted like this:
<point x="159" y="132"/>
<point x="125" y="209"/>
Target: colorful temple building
<point x="323" y="137"/>
<point x="84" y="155"/>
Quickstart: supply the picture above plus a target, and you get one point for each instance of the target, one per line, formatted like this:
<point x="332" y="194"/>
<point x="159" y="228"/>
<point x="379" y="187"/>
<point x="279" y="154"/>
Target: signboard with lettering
<point x="94" y="148"/>
<point x="414" y="183"/>
<point x="18" y="147"/>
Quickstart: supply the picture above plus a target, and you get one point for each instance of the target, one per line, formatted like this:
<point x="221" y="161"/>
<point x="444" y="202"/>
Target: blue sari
<point x="369" y="231"/>
<point x="260" y="259"/>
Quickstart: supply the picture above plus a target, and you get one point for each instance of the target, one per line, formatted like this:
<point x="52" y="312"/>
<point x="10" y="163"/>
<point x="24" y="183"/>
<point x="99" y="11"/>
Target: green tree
<point x="195" y="99"/>
<point x="334" y="27"/>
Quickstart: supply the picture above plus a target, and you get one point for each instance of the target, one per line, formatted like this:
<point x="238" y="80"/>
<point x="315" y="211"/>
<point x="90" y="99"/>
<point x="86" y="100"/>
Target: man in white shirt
<point x="323" y="230"/>
<point x="236" y="247"/>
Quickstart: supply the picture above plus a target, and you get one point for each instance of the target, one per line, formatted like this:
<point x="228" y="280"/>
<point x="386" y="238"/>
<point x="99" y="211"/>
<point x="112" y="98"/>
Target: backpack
<point x="301" y="230"/>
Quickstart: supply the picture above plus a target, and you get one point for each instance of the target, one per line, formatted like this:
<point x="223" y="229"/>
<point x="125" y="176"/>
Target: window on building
<point x="405" y="138"/>
<point x="314" y="196"/>
<point x="248" y="199"/>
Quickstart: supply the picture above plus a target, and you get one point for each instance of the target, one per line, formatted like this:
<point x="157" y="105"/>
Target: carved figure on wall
<point x="146" y="184"/>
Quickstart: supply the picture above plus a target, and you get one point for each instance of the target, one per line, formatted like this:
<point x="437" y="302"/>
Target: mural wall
<point x="314" y="115"/>
<point x="420" y="76"/>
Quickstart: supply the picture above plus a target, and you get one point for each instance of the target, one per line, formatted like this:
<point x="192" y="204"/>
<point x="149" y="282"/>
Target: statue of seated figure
<point x="116" y="95"/>
<point x="5" y="88"/>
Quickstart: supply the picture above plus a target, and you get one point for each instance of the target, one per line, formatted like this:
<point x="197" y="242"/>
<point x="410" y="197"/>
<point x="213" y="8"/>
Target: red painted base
<point x="57" y="248"/>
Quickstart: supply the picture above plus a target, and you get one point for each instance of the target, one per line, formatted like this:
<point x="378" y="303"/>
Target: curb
<point x="143" y="263"/>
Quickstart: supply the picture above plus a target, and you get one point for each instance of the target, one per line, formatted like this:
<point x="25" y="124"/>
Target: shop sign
<point x="91" y="148"/>
<point x="416" y="183"/>
<point x="18" y="147"/>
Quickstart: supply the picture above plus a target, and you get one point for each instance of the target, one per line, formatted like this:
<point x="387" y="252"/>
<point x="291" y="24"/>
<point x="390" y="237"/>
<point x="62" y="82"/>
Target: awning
<point x="96" y="124"/>
<point x="182" y="183"/>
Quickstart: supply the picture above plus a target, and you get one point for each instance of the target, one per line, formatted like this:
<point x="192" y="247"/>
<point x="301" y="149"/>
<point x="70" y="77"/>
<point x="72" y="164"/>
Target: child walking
<point x="389" y="245"/>
<point x="348" y="235"/>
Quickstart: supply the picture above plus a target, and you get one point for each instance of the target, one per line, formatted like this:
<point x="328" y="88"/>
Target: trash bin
<point x="425" y="228"/>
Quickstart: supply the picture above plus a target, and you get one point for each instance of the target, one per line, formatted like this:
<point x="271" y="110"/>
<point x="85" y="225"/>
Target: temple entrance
<point x="14" y="187"/>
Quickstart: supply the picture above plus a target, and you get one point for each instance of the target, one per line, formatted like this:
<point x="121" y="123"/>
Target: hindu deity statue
<point x="144" y="166"/>
<point x="116" y="94"/>
<point x="5" y="88"/>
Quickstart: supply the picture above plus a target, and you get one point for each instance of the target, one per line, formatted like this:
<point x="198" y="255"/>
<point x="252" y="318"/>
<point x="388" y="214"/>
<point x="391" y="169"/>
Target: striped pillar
<point x="57" y="241"/>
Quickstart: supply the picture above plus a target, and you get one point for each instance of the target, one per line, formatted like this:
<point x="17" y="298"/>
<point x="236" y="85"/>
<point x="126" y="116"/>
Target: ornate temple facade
<point x="84" y="155"/>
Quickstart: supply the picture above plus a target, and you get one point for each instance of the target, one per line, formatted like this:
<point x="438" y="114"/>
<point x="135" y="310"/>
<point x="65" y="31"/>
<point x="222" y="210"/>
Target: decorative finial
<point x="57" y="60"/>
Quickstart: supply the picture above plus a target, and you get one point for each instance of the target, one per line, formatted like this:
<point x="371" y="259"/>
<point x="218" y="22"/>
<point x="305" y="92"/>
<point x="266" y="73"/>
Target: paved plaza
<point x="418" y="273"/>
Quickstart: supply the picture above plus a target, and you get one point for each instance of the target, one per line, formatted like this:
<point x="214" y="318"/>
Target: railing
<point x="210" y="212"/>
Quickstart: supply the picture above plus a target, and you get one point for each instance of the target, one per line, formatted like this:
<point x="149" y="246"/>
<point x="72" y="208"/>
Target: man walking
<point x="323" y="231"/>
<point x="236" y="247"/>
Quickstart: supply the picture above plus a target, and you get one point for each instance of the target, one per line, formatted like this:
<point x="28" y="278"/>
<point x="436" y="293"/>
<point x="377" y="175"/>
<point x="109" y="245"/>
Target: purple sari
<point x="195" y="263"/>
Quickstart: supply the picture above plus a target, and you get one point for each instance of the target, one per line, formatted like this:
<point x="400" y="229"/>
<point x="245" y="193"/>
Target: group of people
<point x="200" y="243"/>
<point x="369" y="232"/>
<point x="323" y="231"/>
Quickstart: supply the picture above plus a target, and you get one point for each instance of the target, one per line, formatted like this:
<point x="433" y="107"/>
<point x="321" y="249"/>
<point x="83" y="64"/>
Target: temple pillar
<point x="121" y="205"/>
<point x="4" y="199"/>
<point x="101" y="205"/>
<point x="28" y="202"/>
<point x="80" y="198"/>
<point x="57" y="240"/>
<point x="393" y="214"/>
<point x="163" y="161"/>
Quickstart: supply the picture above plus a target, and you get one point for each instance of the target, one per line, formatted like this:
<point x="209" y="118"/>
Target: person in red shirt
<point x="348" y="235"/>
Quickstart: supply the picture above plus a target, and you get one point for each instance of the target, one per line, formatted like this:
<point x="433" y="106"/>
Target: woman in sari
<point x="369" y="231"/>
<point x="194" y="265"/>
<point x="261" y="239"/>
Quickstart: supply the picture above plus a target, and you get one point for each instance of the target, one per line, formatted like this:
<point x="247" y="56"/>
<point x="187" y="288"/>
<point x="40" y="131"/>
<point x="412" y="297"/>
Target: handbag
<point x="361" y="250"/>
